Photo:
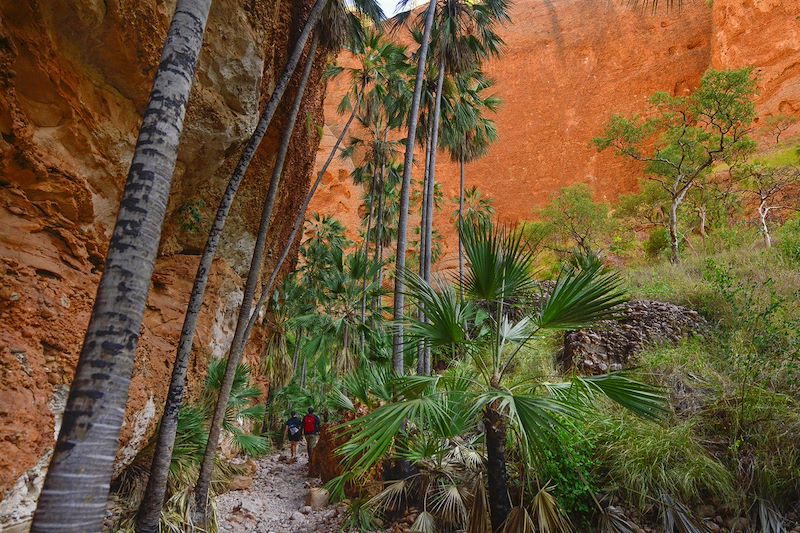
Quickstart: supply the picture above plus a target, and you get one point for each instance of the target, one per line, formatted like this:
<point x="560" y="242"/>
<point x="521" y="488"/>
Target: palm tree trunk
<point x="303" y="374"/>
<point x="76" y="487"/>
<point x="437" y="114"/>
<point x="460" y="225"/>
<point x="365" y="253"/>
<point x="266" y="290"/>
<point x="430" y="192"/>
<point x="423" y="245"/>
<point x="237" y="347"/>
<point x="499" y="500"/>
<point x="379" y="237"/>
<point x="405" y="191"/>
<point x="150" y="508"/>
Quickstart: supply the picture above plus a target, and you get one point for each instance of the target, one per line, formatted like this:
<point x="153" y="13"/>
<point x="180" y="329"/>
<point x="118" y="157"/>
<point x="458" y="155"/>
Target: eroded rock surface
<point x="74" y="79"/>
<point x="613" y="346"/>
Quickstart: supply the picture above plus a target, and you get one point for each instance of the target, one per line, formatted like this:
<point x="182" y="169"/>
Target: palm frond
<point x="479" y="510"/>
<point x="425" y="523"/>
<point x="640" y="398"/>
<point x="518" y="521"/>
<point x="549" y="517"/>
<point x="581" y="298"/>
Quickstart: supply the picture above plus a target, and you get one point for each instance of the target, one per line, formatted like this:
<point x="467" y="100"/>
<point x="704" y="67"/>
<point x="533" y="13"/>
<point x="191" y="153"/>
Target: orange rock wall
<point x="568" y="66"/>
<point x="74" y="79"/>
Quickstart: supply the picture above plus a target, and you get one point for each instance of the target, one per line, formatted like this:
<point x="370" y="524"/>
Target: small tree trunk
<point x="499" y="499"/>
<point x="673" y="232"/>
<point x="398" y="344"/>
<point x="150" y="509"/>
<point x="762" y="218"/>
<point x="460" y="227"/>
<point x="237" y="347"/>
<point x="703" y="216"/>
<point x="76" y="487"/>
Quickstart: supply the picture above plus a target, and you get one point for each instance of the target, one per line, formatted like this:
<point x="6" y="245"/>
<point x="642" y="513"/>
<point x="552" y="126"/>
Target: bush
<point x="568" y="465"/>
<point x="657" y="242"/>
<point x="789" y="240"/>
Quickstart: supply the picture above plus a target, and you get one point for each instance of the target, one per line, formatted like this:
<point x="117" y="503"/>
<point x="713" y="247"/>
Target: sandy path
<point x="276" y="501"/>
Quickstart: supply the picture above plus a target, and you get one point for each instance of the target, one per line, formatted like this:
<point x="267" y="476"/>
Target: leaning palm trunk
<point x="237" y="346"/>
<point x="499" y="499"/>
<point x="460" y="228"/>
<point x="266" y="290"/>
<point x="150" y="508"/>
<point x="405" y="191"/>
<point x="77" y="483"/>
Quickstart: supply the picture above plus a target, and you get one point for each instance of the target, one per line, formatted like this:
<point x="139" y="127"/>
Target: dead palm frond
<point x="549" y="516"/>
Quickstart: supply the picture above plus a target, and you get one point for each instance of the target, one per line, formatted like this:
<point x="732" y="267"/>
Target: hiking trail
<point x="276" y="501"/>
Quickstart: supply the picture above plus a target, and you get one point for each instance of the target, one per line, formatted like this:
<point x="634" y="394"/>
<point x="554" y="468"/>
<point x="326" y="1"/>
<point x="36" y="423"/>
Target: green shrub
<point x="657" y="242"/>
<point x="567" y="465"/>
<point x="789" y="240"/>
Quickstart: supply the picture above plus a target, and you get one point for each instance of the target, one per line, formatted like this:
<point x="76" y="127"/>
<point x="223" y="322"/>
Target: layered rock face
<point x="612" y="345"/>
<point x="568" y="66"/>
<point x="74" y="80"/>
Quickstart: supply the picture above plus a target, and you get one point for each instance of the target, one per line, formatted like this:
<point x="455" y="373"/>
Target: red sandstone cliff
<point x="74" y="78"/>
<point x="568" y="66"/>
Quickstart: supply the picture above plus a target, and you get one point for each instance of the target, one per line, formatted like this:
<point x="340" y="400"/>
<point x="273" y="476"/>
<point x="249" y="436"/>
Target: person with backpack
<point x="294" y="431"/>
<point x="311" y="431"/>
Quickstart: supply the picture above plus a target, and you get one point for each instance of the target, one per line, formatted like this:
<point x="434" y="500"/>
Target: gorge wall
<point x="74" y="80"/>
<point x="567" y="67"/>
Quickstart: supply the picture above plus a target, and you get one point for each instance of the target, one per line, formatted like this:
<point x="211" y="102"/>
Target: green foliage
<point x="789" y="240"/>
<point x="241" y="407"/>
<point x="645" y="460"/>
<point x="190" y="216"/>
<point x="657" y="242"/>
<point x="568" y="465"/>
<point x="574" y="220"/>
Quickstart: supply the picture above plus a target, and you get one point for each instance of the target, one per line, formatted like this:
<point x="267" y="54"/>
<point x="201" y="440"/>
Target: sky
<point x="389" y="6"/>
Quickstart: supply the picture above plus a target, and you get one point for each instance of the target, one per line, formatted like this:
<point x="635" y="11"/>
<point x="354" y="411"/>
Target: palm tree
<point x="377" y="57"/>
<point x="77" y="483"/>
<point x="150" y="508"/>
<point x="468" y="134"/>
<point x="498" y="280"/>
<point x="237" y="346"/>
<point x="338" y="24"/>
<point x="405" y="192"/>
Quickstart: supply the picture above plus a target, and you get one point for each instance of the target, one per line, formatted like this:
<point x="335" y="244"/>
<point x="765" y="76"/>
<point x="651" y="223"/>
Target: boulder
<point x="317" y="498"/>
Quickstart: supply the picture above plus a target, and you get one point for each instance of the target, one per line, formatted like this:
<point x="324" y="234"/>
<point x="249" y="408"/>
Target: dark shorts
<point x="296" y="438"/>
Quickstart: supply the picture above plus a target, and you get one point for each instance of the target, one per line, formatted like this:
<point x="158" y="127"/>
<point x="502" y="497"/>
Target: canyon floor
<point x="276" y="501"/>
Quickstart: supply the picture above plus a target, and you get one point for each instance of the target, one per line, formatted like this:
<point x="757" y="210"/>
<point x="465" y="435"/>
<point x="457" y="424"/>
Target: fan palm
<point x="468" y="134"/>
<point x="484" y="330"/>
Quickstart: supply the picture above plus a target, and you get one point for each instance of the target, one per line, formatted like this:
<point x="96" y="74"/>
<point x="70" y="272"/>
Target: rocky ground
<point x="280" y="498"/>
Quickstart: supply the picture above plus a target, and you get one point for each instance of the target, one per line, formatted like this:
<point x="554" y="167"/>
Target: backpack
<point x="309" y="424"/>
<point x="294" y="427"/>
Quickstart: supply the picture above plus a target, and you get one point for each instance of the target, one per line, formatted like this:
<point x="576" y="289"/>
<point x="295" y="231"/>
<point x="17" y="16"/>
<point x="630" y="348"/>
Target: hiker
<point x="294" y="431"/>
<point x="311" y="431"/>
